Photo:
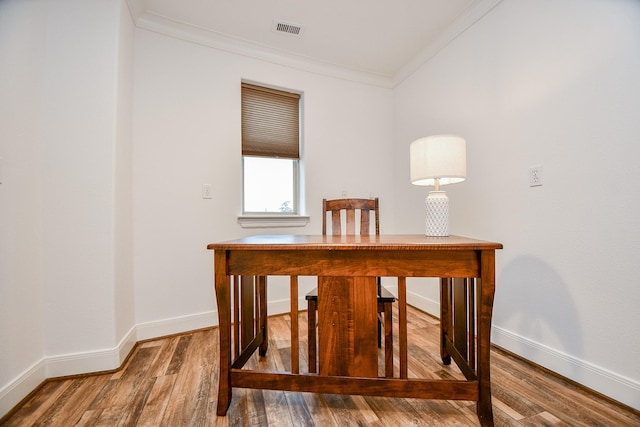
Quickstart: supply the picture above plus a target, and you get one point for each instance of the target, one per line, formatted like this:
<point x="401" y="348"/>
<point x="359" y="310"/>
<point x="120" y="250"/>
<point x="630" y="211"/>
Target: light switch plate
<point x="207" y="191"/>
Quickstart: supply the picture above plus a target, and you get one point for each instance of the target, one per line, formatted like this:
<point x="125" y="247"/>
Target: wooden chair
<point x="385" y="298"/>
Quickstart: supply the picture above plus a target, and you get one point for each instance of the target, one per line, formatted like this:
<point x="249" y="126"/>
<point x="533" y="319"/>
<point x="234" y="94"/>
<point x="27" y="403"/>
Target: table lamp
<point x="438" y="160"/>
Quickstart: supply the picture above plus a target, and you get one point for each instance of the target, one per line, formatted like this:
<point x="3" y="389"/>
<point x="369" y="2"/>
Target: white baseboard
<point x="425" y="304"/>
<point x="176" y="325"/>
<point x="25" y="383"/>
<point x="615" y="386"/>
<point x="63" y="365"/>
<point x="91" y="361"/>
<point x="601" y="380"/>
<point x="283" y="306"/>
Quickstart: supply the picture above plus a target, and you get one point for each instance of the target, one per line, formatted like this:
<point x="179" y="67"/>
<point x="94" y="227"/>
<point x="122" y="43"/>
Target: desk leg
<point x="223" y="297"/>
<point x="485" y="310"/>
<point x="402" y="327"/>
<point x="445" y="318"/>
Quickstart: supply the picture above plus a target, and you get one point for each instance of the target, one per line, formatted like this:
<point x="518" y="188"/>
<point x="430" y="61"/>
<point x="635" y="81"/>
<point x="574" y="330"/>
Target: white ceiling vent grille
<point x="287" y="28"/>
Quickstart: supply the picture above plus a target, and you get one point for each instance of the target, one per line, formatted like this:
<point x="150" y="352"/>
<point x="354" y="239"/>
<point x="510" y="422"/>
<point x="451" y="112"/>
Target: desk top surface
<point x="375" y="242"/>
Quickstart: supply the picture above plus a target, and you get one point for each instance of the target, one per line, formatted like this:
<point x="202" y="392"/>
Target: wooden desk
<point x="467" y="278"/>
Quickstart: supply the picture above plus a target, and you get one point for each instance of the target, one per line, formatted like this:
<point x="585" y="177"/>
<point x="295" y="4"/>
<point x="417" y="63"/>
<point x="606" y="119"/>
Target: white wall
<point x="554" y="84"/>
<point x="66" y="193"/>
<point x="187" y="133"/>
<point x="123" y="185"/>
<point x="79" y="115"/>
<point x="87" y="144"/>
<point x="22" y="44"/>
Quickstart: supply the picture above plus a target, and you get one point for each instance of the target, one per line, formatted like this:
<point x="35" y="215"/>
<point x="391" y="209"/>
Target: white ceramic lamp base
<point x="437" y="218"/>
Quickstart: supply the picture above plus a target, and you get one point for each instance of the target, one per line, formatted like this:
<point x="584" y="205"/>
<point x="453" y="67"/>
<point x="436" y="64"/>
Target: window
<point x="270" y="151"/>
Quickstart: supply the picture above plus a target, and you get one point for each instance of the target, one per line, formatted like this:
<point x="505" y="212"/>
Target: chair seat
<point x="385" y="295"/>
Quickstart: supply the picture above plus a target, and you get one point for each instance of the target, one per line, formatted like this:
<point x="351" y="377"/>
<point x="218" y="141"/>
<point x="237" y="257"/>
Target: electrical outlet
<point x="535" y="176"/>
<point x="207" y="191"/>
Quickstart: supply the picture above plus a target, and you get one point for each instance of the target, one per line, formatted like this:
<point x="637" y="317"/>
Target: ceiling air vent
<point x="286" y="27"/>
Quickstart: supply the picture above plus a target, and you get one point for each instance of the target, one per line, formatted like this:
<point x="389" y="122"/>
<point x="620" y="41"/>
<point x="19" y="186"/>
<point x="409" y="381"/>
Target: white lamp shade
<point x="438" y="156"/>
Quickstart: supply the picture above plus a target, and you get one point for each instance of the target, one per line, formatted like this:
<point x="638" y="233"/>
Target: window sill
<point x="273" y="221"/>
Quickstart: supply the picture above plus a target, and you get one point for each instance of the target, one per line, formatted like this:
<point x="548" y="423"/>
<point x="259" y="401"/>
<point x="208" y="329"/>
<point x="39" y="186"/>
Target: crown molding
<point x="135" y="7"/>
<point x="205" y="37"/>
<point x="469" y="17"/>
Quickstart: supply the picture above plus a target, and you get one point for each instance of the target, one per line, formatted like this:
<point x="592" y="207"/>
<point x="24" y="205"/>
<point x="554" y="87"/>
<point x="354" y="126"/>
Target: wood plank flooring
<point x="173" y="382"/>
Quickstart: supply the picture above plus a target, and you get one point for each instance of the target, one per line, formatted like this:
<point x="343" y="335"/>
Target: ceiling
<point x="377" y="38"/>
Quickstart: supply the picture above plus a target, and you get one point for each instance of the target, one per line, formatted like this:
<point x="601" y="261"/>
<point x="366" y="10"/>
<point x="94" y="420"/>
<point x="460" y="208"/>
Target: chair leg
<point x="312" y="309"/>
<point x="388" y="340"/>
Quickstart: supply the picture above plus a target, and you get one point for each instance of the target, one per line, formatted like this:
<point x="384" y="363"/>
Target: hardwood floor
<point x="173" y="382"/>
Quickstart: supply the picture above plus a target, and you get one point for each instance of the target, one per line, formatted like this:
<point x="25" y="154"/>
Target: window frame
<point x="250" y="219"/>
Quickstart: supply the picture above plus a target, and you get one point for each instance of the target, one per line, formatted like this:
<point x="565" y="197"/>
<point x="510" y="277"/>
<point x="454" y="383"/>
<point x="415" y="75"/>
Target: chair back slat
<point x="353" y="209"/>
<point x="336" y="228"/>
<point x="364" y="222"/>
